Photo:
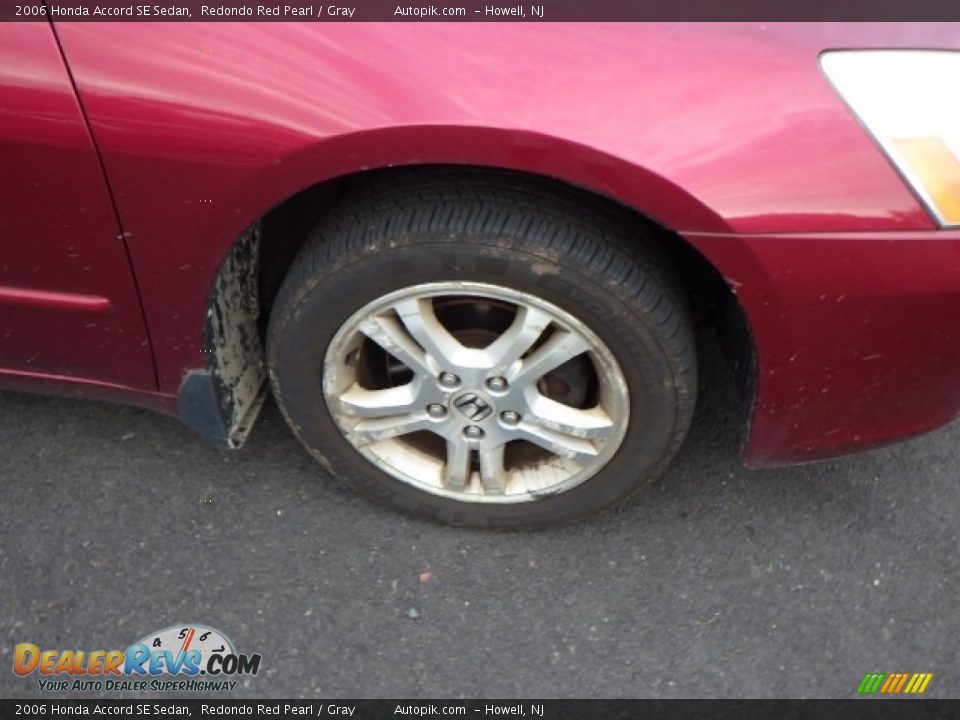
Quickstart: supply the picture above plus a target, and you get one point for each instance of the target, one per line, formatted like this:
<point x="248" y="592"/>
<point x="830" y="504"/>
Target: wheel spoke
<point x="420" y="320"/>
<point x="361" y="402"/>
<point x="387" y="332"/>
<point x="592" y="423"/>
<point x="456" y="471"/>
<point x="528" y="325"/>
<point x="580" y="450"/>
<point x="492" y="472"/>
<point x="561" y="347"/>
<point x="373" y="430"/>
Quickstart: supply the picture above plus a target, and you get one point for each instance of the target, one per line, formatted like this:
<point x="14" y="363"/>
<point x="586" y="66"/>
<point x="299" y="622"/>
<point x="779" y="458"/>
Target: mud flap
<point x="221" y="402"/>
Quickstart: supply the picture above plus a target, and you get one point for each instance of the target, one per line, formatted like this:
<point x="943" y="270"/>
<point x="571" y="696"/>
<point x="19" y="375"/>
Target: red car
<point x="469" y="260"/>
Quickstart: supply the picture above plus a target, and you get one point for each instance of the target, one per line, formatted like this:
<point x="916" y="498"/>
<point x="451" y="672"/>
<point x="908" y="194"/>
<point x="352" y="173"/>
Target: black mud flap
<point x="221" y="401"/>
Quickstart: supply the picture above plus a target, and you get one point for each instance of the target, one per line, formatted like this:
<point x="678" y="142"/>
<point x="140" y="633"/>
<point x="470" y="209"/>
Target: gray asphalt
<point x="719" y="581"/>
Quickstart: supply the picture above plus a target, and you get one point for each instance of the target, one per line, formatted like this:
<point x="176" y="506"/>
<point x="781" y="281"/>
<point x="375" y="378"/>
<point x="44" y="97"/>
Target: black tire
<point x="589" y="259"/>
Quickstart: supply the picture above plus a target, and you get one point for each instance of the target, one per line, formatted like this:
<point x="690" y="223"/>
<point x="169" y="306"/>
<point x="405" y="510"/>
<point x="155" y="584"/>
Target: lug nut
<point x="473" y="432"/>
<point x="449" y="380"/>
<point x="436" y="411"/>
<point x="497" y="384"/>
<point x="509" y="417"/>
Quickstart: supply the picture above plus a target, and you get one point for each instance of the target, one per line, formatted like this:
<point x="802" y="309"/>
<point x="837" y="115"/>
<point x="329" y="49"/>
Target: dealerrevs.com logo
<point x="180" y="658"/>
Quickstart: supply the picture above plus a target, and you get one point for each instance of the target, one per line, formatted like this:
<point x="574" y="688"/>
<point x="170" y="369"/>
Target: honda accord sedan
<point x="473" y="263"/>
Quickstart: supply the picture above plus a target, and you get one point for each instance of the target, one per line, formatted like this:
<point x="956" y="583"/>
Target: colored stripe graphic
<point x="870" y="683"/>
<point x="918" y="683"/>
<point x="889" y="683"/>
<point x="894" y="683"/>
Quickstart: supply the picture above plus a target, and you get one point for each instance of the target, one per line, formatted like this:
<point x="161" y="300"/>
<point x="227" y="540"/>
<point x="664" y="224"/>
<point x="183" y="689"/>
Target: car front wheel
<point x="483" y="352"/>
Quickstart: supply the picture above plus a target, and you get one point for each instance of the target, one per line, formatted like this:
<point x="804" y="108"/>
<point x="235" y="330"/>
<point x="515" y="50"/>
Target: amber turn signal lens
<point x="936" y="172"/>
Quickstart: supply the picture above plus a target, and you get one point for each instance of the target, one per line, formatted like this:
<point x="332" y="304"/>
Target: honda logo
<point x="473" y="407"/>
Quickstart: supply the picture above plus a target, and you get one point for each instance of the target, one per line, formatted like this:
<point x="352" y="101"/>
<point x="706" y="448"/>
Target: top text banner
<point x="480" y="11"/>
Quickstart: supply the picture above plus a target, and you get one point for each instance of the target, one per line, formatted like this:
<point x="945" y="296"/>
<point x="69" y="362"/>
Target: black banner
<point x="476" y="10"/>
<point x="489" y="709"/>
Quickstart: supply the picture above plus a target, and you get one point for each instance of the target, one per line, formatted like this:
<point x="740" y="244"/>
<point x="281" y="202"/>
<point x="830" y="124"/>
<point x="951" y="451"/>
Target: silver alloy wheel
<point x="451" y="387"/>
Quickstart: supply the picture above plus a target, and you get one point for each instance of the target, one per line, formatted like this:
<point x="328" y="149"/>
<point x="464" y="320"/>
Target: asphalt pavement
<point x="717" y="582"/>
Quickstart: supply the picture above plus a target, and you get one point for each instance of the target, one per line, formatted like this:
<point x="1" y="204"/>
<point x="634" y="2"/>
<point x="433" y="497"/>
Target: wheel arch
<point x="253" y="268"/>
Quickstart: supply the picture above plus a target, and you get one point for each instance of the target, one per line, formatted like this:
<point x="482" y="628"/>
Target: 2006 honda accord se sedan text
<point x="473" y="266"/>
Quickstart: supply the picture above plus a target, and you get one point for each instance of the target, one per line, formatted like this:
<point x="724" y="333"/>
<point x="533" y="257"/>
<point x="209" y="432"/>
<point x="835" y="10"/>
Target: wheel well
<point x="715" y="308"/>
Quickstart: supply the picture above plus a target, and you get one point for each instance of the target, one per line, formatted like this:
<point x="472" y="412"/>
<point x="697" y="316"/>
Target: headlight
<point x="910" y="101"/>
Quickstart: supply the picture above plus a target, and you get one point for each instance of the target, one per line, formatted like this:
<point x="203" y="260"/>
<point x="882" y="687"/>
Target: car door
<point x="68" y="301"/>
